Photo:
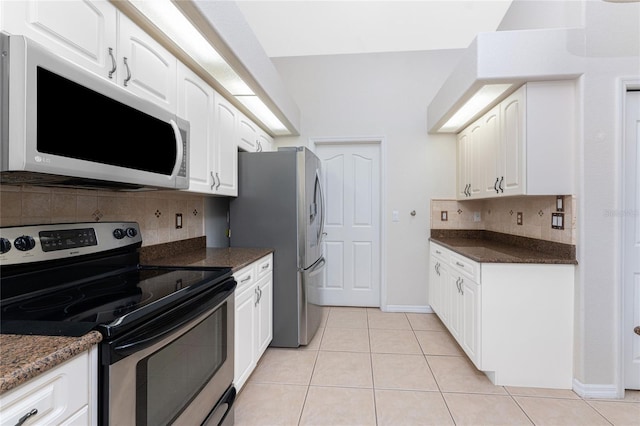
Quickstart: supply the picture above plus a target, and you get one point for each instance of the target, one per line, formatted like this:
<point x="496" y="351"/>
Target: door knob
<point x="637" y="330"/>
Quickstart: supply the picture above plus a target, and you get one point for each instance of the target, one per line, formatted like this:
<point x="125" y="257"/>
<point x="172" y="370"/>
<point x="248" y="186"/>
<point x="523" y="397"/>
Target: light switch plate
<point x="395" y="216"/>
<point x="519" y="218"/>
<point x="178" y="220"/>
<point x="444" y="216"/>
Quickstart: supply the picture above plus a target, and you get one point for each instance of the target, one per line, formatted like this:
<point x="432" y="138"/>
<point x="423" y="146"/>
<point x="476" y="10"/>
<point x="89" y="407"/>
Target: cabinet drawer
<point x="264" y="266"/>
<point x="440" y="252"/>
<point x="245" y="277"/>
<point x="465" y="266"/>
<point x="56" y="395"/>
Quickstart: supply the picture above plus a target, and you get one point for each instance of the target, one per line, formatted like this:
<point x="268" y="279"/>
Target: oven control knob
<point x="24" y="243"/>
<point x="119" y="233"/>
<point x="5" y="245"/>
<point x="132" y="232"/>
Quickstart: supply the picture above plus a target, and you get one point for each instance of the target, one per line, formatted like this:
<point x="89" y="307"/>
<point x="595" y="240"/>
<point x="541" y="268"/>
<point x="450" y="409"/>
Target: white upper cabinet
<point x="265" y="142"/>
<point x="145" y="67"/>
<point x="523" y="146"/>
<point x="82" y="31"/>
<point x="97" y="37"/>
<point x="247" y="134"/>
<point x="226" y="147"/>
<point x="252" y="138"/>
<point x="195" y="104"/>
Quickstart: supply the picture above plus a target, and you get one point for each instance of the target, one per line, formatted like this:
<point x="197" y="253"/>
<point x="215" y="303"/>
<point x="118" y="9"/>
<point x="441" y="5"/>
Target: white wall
<point x="612" y="33"/>
<point x="384" y="95"/>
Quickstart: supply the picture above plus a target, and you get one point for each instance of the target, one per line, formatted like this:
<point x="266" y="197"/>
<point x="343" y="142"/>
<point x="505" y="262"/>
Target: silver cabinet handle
<point x="495" y="186"/>
<point x="265" y="266"/>
<point x="126" y="64"/>
<point x="244" y="280"/>
<point x="255" y="290"/>
<point x="438" y="252"/>
<point x="258" y="146"/>
<point x="259" y="294"/>
<point x="27" y="416"/>
<point x="218" y="185"/>
<point x="500" y="186"/>
<point x="213" y="178"/>
<point x="460" y="264"/>
<point x="114" y="64"/>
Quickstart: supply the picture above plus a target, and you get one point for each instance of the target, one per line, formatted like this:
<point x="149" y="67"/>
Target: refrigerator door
<point x="311" y="312"/>
<point x="312" y="215"/>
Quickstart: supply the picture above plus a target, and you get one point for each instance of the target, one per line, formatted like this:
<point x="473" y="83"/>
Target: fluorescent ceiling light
<point x="478" y="102"/>
<point x="166" y="16"/>
<point x="264" y="114"/>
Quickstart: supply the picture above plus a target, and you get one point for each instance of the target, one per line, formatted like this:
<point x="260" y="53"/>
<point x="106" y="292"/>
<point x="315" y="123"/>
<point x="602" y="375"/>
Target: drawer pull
<point x="265" y="266"/>
<point x="245" y="279"/>
<point x="460" y="264"/>
<point x="27" y="416"/>
<point x="438" y="252"/>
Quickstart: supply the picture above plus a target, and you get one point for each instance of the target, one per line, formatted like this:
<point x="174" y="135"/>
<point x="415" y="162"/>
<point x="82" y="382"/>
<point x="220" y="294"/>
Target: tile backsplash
<point x="501" y="215"/>
<point x="155" y="211"/>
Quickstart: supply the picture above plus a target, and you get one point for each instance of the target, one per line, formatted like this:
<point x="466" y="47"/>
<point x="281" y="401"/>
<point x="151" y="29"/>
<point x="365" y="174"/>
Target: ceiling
<point x="324" y="27"/>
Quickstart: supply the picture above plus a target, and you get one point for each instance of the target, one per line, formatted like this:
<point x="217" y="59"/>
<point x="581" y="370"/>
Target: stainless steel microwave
<point x="63" y="125"/>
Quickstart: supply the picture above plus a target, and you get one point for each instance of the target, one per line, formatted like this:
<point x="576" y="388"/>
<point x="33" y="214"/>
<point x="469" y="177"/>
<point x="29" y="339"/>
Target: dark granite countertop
<point x="234" y="257"/>
<point x="25" y="357"/>
<point x="493" y="247"/>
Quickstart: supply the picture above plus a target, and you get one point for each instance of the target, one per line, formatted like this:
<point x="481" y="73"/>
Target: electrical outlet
<point x="557" y="220"/>
<point x="178" y="220"/>
<point x="444" y="216"/>
<point x="519" y="218"/>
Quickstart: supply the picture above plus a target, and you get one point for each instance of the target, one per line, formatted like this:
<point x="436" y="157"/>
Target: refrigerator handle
<point x="321" y="229"/>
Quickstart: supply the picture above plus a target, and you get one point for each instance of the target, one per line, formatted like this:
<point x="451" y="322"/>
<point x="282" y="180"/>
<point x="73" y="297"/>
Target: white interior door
<point x="351" y="173"/>
<point x="631" y="236"/>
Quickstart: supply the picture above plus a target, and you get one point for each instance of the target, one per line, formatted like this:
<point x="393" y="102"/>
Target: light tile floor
<point x="368" y="367"/>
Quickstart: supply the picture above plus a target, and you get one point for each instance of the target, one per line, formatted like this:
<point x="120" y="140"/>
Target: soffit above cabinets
<point x="504" y="60"/>
<point x="214" y="39"/>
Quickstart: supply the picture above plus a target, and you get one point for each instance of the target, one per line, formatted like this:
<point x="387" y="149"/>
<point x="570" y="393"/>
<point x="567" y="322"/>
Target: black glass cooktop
<point x="118" y="298"/>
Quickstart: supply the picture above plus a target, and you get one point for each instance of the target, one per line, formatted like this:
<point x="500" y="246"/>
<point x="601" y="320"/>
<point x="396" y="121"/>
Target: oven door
<point x="175" y="369"/>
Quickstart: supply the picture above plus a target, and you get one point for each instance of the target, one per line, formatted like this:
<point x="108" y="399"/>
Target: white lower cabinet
<point x="253" y="317"/>
<point x="64" y="395"/>
<point x="513" y="320"/>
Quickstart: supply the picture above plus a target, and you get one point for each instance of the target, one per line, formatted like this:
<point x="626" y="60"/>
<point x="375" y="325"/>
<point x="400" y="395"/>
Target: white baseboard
<point x="589" y="391"/>
<point x="413" y="309"/>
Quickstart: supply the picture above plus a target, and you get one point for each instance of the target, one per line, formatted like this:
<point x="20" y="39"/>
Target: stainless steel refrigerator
<point x="280" y="205"/>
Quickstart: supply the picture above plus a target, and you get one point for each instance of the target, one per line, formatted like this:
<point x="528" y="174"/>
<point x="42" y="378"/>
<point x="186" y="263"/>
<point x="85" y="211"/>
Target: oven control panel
<point x="35" y="243"/>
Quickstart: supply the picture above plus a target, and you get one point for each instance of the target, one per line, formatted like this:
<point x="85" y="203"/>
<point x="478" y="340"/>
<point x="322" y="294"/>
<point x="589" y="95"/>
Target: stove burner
<point x="47" y="303"/>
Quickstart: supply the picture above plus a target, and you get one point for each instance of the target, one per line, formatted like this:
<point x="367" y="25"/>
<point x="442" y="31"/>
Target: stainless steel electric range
<point x="167" y="351"/>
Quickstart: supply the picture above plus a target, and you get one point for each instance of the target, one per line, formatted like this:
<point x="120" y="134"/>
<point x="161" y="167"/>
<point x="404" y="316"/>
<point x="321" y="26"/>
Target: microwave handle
<point x="179" y="148"/>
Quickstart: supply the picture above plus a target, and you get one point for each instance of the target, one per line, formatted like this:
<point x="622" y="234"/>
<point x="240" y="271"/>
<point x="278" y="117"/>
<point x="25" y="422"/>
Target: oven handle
<point x="175" y="318"/>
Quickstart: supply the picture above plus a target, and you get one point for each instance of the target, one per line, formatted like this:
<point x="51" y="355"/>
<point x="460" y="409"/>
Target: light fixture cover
<point x="484" y="97"/>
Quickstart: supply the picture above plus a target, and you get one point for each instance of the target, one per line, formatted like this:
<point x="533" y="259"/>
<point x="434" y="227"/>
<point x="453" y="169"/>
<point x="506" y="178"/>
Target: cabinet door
<point x="464" y="140"/>
<point x="226" y="148"/>
<point x="490" y="156"/>
<point x="474" y="152"/>
<point x="247" y="134"/>
<point x="470" y="319"/>
<point x="245" y="336"/>
<point x="454" y="323"/>
<point x="264" y="314"/>
<point x="81" y="31"/>
<point x="145" y="67"/>
<point x="434" y="285"/>
<point x="265" y="142"/>
<point x="195" y="104"/>
<point x="512" y="155"/>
